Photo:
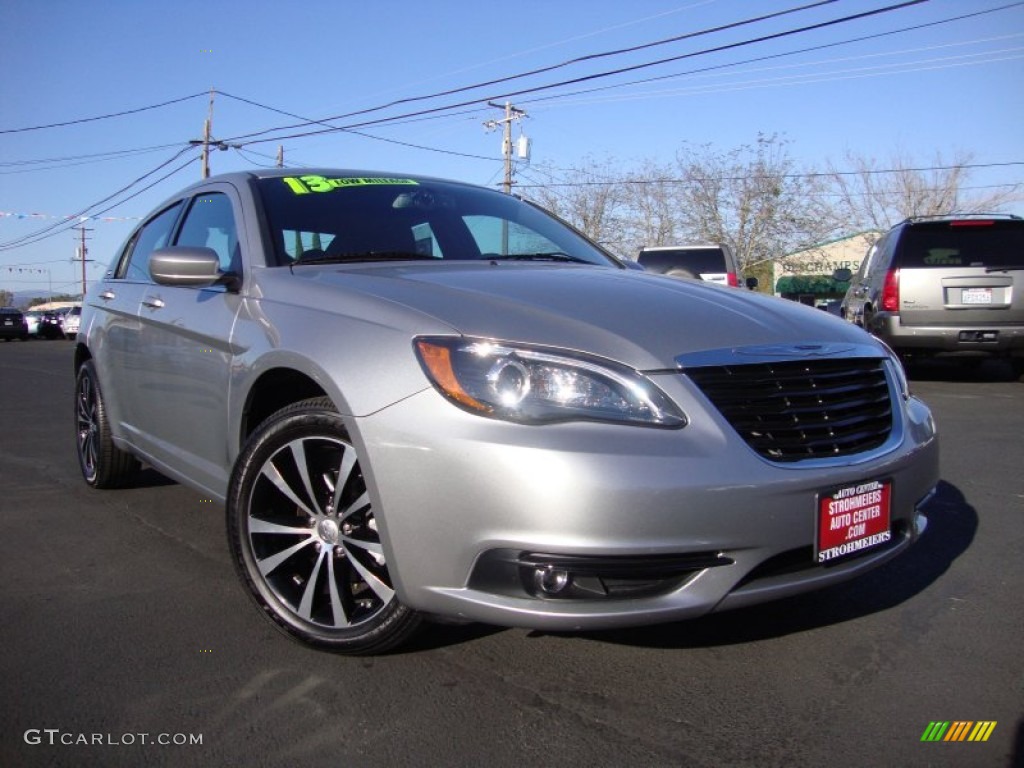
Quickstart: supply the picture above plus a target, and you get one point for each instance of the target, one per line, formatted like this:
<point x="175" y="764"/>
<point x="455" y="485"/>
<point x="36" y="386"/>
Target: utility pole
<point x="207" y="127"/>
<point x="207" y="140"/>
<point x="82" y="251"/>
<point x="280" y="155"/>
<point x="511" y="114"/>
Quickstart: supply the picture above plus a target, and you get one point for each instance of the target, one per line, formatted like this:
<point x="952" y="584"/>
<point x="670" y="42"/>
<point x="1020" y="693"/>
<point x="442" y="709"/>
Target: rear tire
<point x="103" y="464"/>
<point x="303" y="535"/>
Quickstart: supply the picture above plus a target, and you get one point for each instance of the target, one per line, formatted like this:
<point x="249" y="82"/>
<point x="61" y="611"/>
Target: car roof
<point x="687" y="247"/>
<point x="950" y="217"/>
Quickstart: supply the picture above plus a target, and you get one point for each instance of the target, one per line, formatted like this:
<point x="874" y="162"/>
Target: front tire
<point x="303" y="535"/>
<point x="103" y="464"/>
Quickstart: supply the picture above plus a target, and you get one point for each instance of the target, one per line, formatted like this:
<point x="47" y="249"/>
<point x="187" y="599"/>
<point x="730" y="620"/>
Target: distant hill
<point x="22" y="298"/>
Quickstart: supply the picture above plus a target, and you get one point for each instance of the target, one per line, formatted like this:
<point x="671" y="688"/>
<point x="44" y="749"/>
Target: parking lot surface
<point x="127" y="639"/>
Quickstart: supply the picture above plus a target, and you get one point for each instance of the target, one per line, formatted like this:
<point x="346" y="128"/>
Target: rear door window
<point x="697" y="260"/>
<point x="990" y="244"/>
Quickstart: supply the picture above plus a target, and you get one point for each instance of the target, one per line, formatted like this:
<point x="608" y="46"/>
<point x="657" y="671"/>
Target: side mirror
<point x="188" y="266"/>
<point x="842" y="275"/>
<point x="752" y="283"/>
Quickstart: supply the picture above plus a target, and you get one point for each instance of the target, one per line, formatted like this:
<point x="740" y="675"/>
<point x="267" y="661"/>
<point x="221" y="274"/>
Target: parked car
<point x="72" y="318"/>
<point x="418" y="398"/>
<point x="13" y="324"/>
<point x="947" y="285"/>
<point x="32" y="322"/>
<point x="50" y="325"/>
<point x="713" y="262"/>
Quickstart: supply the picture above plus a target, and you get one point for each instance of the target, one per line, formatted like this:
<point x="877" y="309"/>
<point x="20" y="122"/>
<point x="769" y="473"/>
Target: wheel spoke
<point x="359" y="504"/>
<point x="272" y="474"/>
<point x="89" y="451"/>
<point x="84" y="404"/>
<point x="367" y="546"/>
<point x="340" y="617"/>
<point x="382" y="590"/>
<point x="265" y="526"/>
<point x="306" y="606"/>
<point x="299" y="454"/>
<point x="348" y="463"/>
<point x="267" y="565"/>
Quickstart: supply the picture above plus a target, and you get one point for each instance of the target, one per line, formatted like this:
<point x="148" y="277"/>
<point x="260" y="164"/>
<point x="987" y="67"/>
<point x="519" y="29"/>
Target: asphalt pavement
<point x="126" y="638"/>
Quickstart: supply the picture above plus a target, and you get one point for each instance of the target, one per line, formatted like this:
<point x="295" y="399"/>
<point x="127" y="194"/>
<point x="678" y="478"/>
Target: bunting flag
<point x="17" y="215"/>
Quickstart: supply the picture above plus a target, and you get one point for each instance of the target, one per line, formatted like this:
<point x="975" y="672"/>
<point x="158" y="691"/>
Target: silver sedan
<point x="418" y="398"/>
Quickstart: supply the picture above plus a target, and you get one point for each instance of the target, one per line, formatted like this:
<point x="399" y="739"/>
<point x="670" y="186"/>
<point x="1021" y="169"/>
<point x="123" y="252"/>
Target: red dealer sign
<point x="852" y="519"/>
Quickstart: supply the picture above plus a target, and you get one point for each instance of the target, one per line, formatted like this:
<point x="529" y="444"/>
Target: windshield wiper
<point x="362" y="256"/>
<point x="1015" y="268"/>
<point x="541" y="256"/>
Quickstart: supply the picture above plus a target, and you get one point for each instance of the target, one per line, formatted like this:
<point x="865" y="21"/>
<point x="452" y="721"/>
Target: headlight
<point x="898" y="371"/>
<point x="533" y="385"/>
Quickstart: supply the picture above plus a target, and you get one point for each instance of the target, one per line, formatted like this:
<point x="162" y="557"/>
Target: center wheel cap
<point x="327" y="530"/>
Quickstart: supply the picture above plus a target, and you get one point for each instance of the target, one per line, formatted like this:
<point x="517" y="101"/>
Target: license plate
<point x="8" y="322"/>
<point x="853" y="519"/>
<point x="976" y="296"/>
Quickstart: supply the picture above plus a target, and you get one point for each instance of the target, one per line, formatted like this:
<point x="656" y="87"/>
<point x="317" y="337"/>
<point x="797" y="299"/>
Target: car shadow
<point x="972" y="369"/>
<point x="952" y="524"/>
<point x="147" y="477"/>
<point x="435" y="636"/>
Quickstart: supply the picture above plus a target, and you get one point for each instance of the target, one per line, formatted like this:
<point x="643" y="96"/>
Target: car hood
<point x="643" y="320"/>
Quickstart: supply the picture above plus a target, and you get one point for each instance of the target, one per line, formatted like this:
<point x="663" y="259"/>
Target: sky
<point x="916" y="80"/>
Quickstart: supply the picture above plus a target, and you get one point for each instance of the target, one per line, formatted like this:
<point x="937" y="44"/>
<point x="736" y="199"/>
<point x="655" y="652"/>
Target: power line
<point x="770" y="57"/>
<point x="41" y="160"/>
<point x="572" y="81"/>
<point x="58" y="227"/>
<point x="38" y="166"/>
<point x="364" y="135"/>
<point x="518" y="76"/>
<point x="897" y="68"/>
<point x="811" y="175"/>
<point x="101" y="117"/>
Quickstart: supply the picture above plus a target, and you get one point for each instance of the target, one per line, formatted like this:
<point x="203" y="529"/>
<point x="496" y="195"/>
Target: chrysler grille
<point x="806" y="409"/>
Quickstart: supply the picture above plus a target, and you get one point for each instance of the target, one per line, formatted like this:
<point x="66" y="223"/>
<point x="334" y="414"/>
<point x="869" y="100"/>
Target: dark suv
<point x="949" y="285"/>
<point x="12" y="324"/>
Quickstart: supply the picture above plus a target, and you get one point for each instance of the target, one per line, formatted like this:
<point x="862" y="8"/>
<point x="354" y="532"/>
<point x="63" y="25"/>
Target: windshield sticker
<point x="302" y="185"/>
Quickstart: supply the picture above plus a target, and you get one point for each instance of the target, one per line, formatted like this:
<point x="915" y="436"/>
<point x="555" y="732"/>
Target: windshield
<point x="341" y="219"/>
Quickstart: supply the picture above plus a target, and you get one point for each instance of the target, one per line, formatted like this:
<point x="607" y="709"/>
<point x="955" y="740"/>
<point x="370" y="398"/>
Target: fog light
<point x="551" y="581"/>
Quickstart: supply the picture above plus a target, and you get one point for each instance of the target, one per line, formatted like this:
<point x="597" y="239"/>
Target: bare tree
<point x="589" y="198"/>
<point x="753" y="198"/>
<point x="652" y="215"/>
<point x="875" y="195"/>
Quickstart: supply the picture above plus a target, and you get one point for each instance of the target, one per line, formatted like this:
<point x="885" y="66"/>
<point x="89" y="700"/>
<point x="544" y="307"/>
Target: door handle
<point x="107" y="295"/>
<point x="153" y="303"/>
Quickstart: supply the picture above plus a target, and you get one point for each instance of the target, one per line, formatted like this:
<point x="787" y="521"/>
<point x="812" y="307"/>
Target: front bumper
<point x="457" y="493"/>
